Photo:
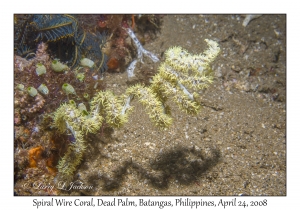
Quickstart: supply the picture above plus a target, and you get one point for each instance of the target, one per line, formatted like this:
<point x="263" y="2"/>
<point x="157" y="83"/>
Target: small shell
<point x="32" y="91"/>
<point x="58" y="66"/>
<point x="87" y="62"/>
<point x="40" y="69"/>
<point x="43" y="89"/>
<point x="68" y="89"/>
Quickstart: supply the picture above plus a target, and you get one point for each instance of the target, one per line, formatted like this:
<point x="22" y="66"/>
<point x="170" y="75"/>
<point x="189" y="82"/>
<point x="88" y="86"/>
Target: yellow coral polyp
<point x="32" y="91"/>
<point x="43" y="89"/>
<point x="34" y="156"/>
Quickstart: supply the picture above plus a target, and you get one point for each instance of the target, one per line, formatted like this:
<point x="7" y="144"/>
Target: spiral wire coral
<point x="177" y="77"/>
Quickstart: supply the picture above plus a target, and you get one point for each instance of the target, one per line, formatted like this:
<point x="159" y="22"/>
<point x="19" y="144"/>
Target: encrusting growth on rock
<point x="177" y="77"/>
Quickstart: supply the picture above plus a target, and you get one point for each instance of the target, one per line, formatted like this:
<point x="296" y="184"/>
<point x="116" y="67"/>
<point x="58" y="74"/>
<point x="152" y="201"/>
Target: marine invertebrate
<point x="22" y="33"/>
<point x="41" y="54"/>
<point x="20" y="87"/>
<point x="177" y="76"/>
<point x="113" y="63"/>
<point x="40" y="69"/>
<point x="64" y="35"/>
<point x="69" y="118"/>
<point x="54" y="27"/>
<point x="32" y="91"/>
<point x="34" y="156"/>
<point x="91" y="46"/>
<point x="58" y="66"/>
<point x="80" y="76"/>
<point x="86" y="95"/>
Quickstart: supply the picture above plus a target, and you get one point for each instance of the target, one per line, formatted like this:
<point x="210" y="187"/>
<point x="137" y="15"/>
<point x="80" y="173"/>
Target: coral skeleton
<point x="65" y="33"/>
<point x="178" y="78"/>
<point x="141" y="51"/>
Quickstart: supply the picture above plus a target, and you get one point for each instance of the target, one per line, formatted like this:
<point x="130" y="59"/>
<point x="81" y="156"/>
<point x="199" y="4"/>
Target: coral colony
<point x="177" y="78"/>
<point x="179" y="72"/>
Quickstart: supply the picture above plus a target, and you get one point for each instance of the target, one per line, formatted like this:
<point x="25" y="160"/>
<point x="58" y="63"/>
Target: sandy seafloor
<point x="235" y="146"/>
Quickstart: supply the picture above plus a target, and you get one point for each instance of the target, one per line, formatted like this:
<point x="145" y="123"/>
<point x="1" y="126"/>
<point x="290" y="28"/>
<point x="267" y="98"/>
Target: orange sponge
<point x="34" y="155"/>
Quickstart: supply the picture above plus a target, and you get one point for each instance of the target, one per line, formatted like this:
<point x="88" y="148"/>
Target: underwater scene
<point x="135" y="105"/>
